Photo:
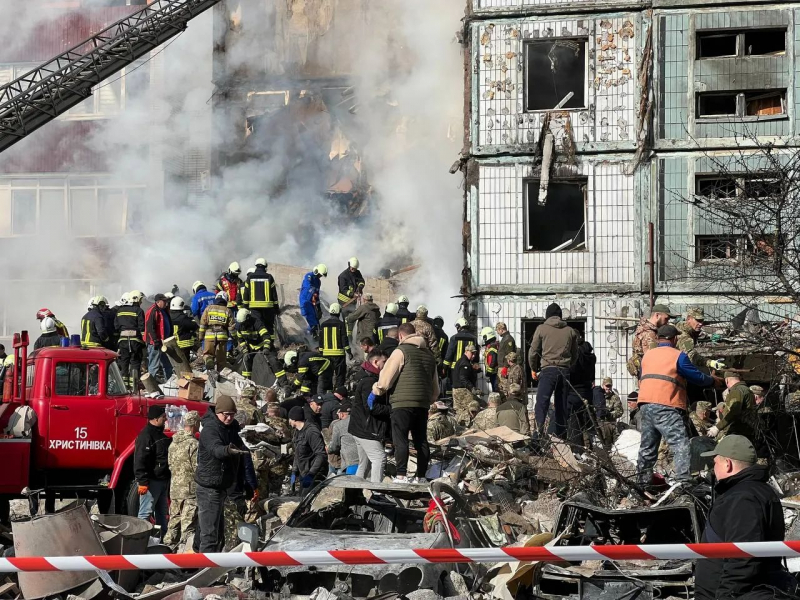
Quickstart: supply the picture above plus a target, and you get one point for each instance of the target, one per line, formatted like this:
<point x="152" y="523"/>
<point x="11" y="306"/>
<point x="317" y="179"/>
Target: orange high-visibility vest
<point x="660" y="382"/>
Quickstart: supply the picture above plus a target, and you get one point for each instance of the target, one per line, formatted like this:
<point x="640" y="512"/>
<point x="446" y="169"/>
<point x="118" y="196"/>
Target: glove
<point x="504" y="372"/>
<point x="232" y="449"/>
<point x="535" y="375"/>
<point x="143" y="490"/>
<point x="717" y="365"/>
<point x="307" y="480"/>
<point x="371" y="399"/>
<point x="712" y="433"/>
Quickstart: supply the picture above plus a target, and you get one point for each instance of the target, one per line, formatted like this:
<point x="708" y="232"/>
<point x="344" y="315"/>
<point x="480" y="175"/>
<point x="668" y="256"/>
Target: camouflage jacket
<point x="701" y="425"/>
<point x="514" y="374"/>
<point x="686" y="343"/>
<point x="644" y="338"/>
<point x="281" y="426"/>
<point x="247" y="414"/>
<point x="425" y="329"/>
<point x="486" y="419"/>
<point x="739" y="414"/>
<point x="182" y="464"/>
<point x="440" y="426"/>
<point x="613" y="406"/>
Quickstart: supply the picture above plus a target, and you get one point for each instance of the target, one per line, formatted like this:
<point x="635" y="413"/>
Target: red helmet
<point x="43" y="313"/>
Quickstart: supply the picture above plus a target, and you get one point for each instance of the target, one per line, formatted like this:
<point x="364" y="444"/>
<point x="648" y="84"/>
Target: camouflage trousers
<point x="462" y="398"/>
<point x="182" y="520"/>
<point x="660" y="421"/>
<point x="235" y="509"/>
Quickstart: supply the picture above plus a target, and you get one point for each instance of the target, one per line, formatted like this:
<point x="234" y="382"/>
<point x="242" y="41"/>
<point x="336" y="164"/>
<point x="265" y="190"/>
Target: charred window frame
<point x="559" y="224"/>
<point x="710" y="248"/>
<point x="749" y="105"/>
<point x="760" y="186"/>
<point x="555" y="67"/>
<point x="741" y="43"/>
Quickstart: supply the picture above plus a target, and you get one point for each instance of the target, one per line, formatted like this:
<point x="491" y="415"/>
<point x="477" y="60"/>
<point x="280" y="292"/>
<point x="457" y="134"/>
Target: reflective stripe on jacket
<point x="660" y="382"/>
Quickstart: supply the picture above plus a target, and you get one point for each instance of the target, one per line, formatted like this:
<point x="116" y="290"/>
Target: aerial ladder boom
<point x="51" y="89"/>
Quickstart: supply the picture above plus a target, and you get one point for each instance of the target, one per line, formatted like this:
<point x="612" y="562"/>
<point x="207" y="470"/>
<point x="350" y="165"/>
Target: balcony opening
<point x="716" y="45"/>
<point x="716" y="105"/>
<point x="560" y="223"/>
<point x="553" y="70"/>
<point x="765" y="42"/>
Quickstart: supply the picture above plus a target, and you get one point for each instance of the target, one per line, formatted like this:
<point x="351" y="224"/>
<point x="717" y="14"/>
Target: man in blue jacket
<point x="201" y="299"/>
<point x="309" y="297"/>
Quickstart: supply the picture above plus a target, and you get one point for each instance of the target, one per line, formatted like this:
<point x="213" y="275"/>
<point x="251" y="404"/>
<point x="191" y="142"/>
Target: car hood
<point x="297" y="538"/>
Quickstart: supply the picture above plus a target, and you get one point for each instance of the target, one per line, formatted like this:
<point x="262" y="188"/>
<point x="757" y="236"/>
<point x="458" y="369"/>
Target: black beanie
<point x="155" y="412"/>
<point x="296" y="413"/>
<point x="554" y="310"/>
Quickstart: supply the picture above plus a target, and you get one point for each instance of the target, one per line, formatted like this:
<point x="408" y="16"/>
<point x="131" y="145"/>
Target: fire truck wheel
<point x="132" y="499"/>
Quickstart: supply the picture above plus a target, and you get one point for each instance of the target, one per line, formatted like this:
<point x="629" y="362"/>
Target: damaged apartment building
<point x="592" y="125"/>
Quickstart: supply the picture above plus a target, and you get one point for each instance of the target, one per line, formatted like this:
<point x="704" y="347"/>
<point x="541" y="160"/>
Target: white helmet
<point x="242" y="315"/>
<point x="487" y="333"/>
<point x="234" y="268"/>
<point x="321" y="269"/>
<point x="261" y="262"/>
<point x="123" y="300"/>
<point x="462" y="322"/>
<point x="222" y="295"/>
<point x="177" y="303"/>
<point x="335" y="309"/>
<point x="391" y="308"/>
<point x="290" y="358"/>
<point x="251" y="270"/>
<point x="135" y="296"/>
<point x="196" y="285"/>
<point x="353" y="262"/>
<point x="169" y="295"/>
<point x="101" y="300"/>
<point x="403" y="299"/>
<point x="48" y="325"/>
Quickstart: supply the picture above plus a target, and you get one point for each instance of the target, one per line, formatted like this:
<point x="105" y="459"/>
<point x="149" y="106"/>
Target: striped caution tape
<point x="420" y="556"/>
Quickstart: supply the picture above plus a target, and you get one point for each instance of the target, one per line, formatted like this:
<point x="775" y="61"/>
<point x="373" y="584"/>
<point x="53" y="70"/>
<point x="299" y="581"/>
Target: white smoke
<point x="408" y="66"/>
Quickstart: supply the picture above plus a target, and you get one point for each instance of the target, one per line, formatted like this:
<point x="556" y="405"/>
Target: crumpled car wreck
<point x="348" y="513"/>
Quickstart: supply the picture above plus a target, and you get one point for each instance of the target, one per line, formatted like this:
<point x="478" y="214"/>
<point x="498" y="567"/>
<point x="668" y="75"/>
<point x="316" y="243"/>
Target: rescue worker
<point x="309" y="297"/>
<point x="465" y="379"/>
<point x="184" y="328"/>
<point x="423" y="327"/>
<point x="663" y="403"/>
<point x="505" y="345"/>
<point x="513" y="413"/>
<point x="388" y="321"/>
<point x="311" y="369"/>
<point x="690" y="331"/>
<point x="646" y="335"/>
<point x="758" y="393"/>
<point x="405" y="315"/>
<point x="745" y="509"/>
<point x="157" y="328"/>
<point x="511" y="374"/>
<point x="252" y="337"/>
<point x="129" y="324"/>
<point x="310" y="458"/>
<point x="216" y="326"/>
<point x="487" y="418"/>
<point x="455" y="348"/>
<point x="182" y="457"/>
<point x="273" y="419"/>
<point x="201" y="299"/>
<point x="334" y="343"/>
<point x="109" y="315"/>
<point x="490" y="356"/>
<point x="218" y="456"/>
<point x="260" y="295"/>
<point x="50" y="337"/>
<point x="366" y="316"/>
<point x="608" y="409"/>
<point x="351" y="286"/>
<point x="247" y="411"/>
<point x="330" y="406"/>
<point x="151" y="467"/>
<point x="554" y="349"/>
<point x="442" y="340"/>
<point x="93" y="325"/>
<point x="230" y="283"/>
<point x="739" y="413"/>
<point x="43" y="313"/>
<point x="440" y="424"/>
<point x="701" y="417"/>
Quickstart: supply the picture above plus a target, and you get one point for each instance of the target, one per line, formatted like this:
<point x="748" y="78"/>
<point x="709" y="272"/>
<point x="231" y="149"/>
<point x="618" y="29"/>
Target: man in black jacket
<point x="369" y="420"/>
<point x="390" y="341"/>
<point x="745" y="509"/>
<point x="151" y="467"/>
<point x="217" y="469"/>
<point x="465" y="379"/>
<point x="579" y="394"/>
<point x="310" y="457"/>
<point x="330" y="406"/>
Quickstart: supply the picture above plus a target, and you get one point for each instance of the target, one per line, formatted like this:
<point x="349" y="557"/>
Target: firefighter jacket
<point x="93" y="329"/>
<point x="310" y="365"/>
<point x="350" y="284"/>
<point x="129" y="323"/>
<point x="231" y="284"/>
<point x="217" y="323"/>
<point x="490" y="358"/>
<point x="443" y="341"/>
<point x="309" y="292"/>
<point x="253" y="335"/>
<point x="46" y="340"/>
<point x="157" y="326"/>
<point x="200" y="302"/>
<point x="184" y="328"/>
<point x="387" y="322"/>
<point x="333" y="338"/>
<point x="405" y="315"/>
<point x="456" y="346"/>
<point x="259" y="290"/>
<point x="61" y="328"/>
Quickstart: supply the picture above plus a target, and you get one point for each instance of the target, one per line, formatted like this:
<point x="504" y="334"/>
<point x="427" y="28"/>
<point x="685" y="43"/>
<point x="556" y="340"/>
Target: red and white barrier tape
<point x="371" y="557"/>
